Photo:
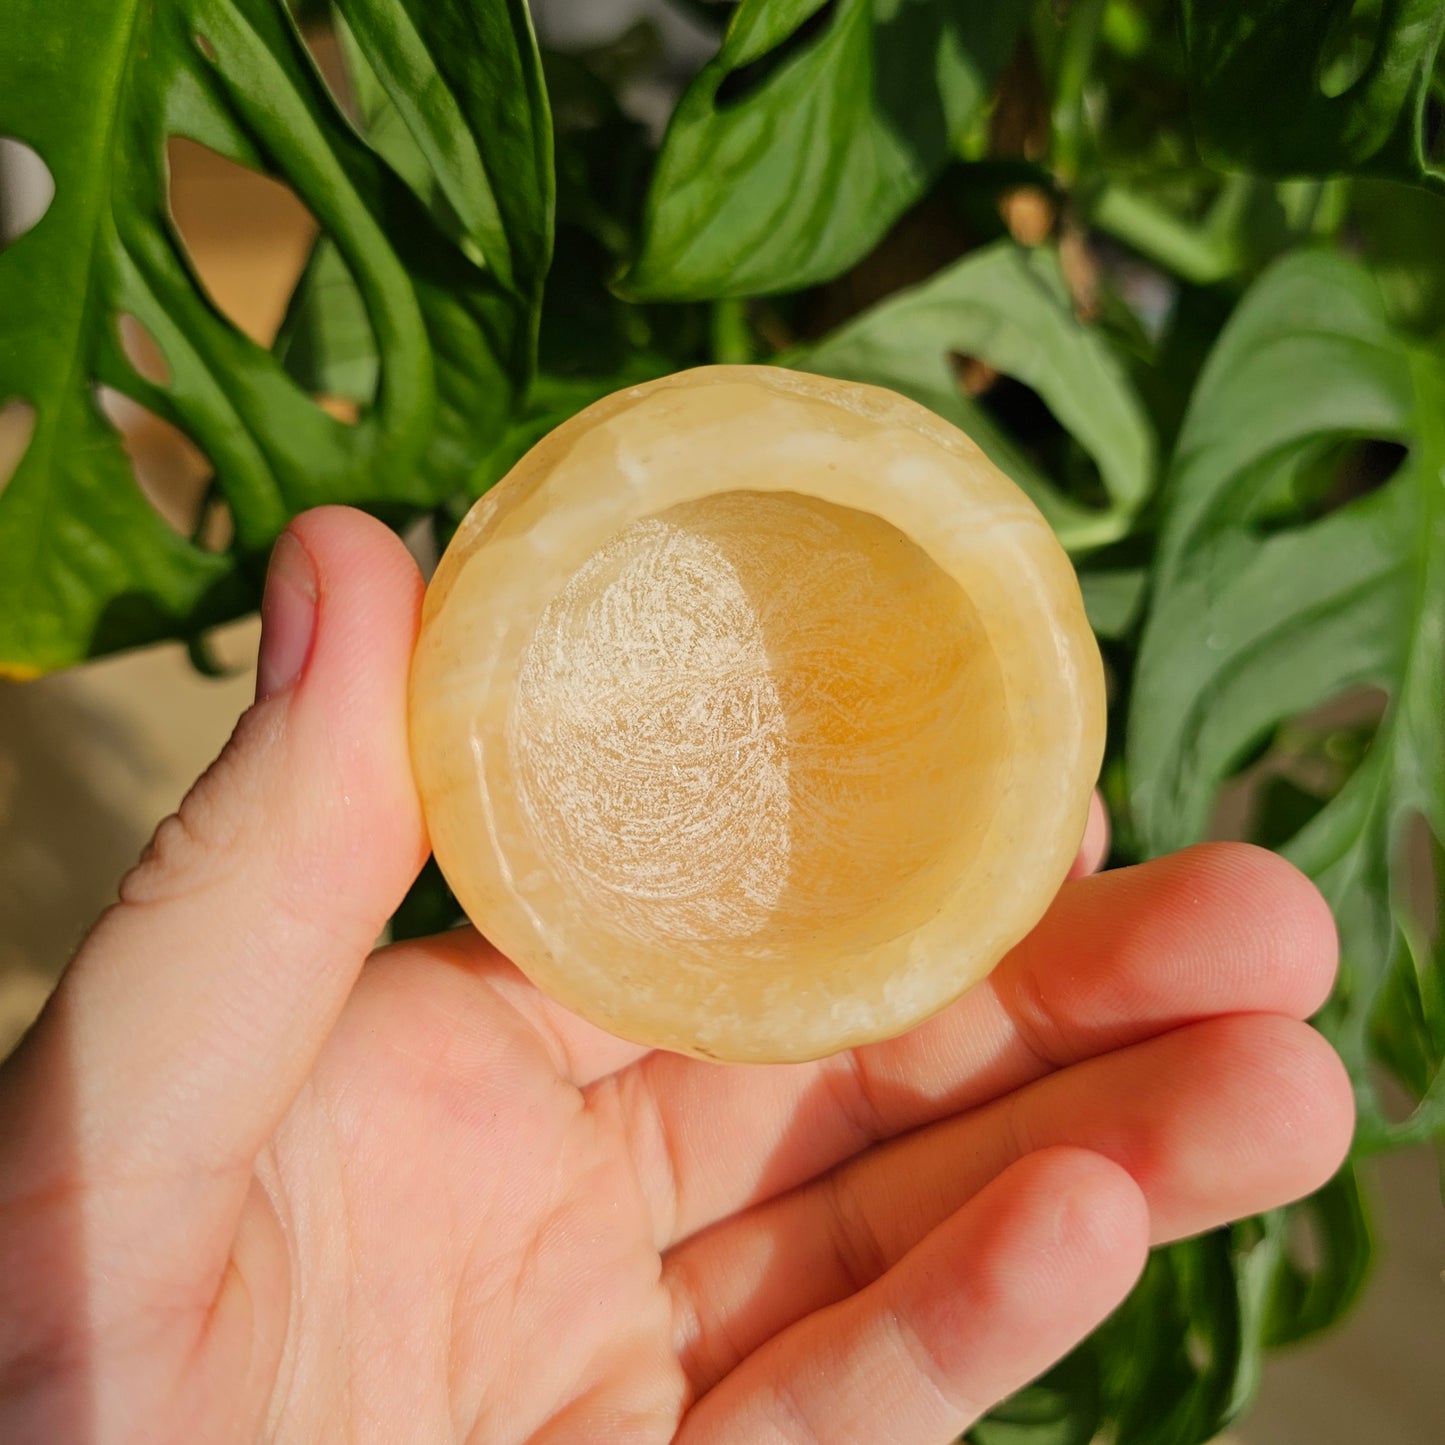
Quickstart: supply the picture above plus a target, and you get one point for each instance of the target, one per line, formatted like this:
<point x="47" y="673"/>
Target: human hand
<point x="250" y="1188"/>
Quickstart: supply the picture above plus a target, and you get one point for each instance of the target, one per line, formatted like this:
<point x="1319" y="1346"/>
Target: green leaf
<point x="1181" y="1358"/>
<point x="1252" y="621"/>
<point x="1009" y="308"/>
<point x="1063" y="1408"/>
<point x="590" y="341"/>
<point x="97" y="87"/>
<point x="1314" y="87"/>
<point x="1305" y="1298"/>
<point x="815" y="127"/>
<point x="466" y="82"/>
<point x="1113" y="599"/>
<point x="1400" y="229"/>
<point x="429" y="907"/>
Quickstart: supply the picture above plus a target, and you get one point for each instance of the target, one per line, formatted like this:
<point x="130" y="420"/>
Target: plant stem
<point x="1076" y="60"/>
<point x="732" y="337"/>
<point x="1199" y="254"/>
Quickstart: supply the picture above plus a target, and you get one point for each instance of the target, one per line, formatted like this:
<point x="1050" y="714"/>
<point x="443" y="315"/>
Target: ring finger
<point x="1214" y="1121"/>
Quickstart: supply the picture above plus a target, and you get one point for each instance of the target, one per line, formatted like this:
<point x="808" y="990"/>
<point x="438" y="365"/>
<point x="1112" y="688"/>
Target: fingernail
<point x="288" y="617"/>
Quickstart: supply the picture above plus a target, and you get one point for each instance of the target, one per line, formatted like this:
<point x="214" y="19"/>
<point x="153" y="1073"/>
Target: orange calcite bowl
<point x="755" y="714"/>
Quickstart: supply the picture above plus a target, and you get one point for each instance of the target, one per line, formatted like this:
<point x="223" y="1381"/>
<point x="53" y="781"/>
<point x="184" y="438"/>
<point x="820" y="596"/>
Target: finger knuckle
<point x="198" y="846"/>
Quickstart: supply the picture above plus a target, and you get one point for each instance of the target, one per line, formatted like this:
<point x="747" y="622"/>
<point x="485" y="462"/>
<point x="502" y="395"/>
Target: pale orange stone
<point x="755" y="714"/>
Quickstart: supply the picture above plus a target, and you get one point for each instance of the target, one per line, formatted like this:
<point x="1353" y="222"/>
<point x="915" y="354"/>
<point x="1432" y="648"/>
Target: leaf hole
<point x="1029" y="213"/>
<point x="26" y="189"/>
<point x="328" y="57"/>
<point x="345" y="409"/>
<point x="1199" y="1349"/>
<point x="247" y="235"/>
<point x="1030" y="424"/>
<point x="1392" y="1096"/>
<point x="142" y="350"/>
<point x="17" y="426"/>
<point x="172" y="472"/>
<point x="1323" y="480"/>
<point x="1303" y="1243"/>
<point x="216" y="526"/>
<point x="921" y="242"/>
<point x="1294" y="771"/>
<point x="738" y="85"/>
<point x="1419" y="864"/>
<point x="1349" y="47"/>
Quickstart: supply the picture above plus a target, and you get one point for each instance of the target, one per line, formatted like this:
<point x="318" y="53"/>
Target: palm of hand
<point x="458" y="1215"/>
<point x="524" y="1230"/>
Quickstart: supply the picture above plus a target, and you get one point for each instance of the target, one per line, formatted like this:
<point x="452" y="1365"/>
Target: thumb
<point x="196" y="1008"/>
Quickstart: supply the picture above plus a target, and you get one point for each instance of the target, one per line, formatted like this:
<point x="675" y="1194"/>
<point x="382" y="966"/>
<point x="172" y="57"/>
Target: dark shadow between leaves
<point x="1350" y="47"/>
<point x="738" y="85"/>
<point x="1324" y="480"/>
<point x="134" y="619"/>
<point x="1026" y="418"/>
<point x="927" y="237"/>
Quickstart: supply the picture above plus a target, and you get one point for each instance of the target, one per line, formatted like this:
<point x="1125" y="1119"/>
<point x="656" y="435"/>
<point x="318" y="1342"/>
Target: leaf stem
<point x="732" y="337"/>
<point x="1076" y="60"/>
<point x="1198" y="254"/>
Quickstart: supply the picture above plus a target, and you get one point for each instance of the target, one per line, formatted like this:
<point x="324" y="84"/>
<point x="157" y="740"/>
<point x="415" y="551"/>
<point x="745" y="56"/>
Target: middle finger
<point x="1216" y="929"/>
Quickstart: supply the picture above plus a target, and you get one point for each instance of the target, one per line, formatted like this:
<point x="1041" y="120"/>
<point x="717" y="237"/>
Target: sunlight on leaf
<point x="1248" y="627"/>
<point x="807" y="136"/>
<point x="1010" y="309"/>
<point x="107" y="93"/>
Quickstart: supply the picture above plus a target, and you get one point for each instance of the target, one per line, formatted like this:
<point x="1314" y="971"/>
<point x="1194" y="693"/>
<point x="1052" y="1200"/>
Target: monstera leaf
<point x="447" y="259"/>
<point x="1314" y="87"/>
<point x="817" y="124"/>
<point x="1259" y="613"/>
<point x="1010" y="309"/>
